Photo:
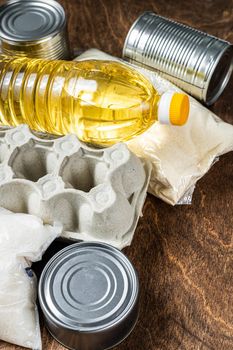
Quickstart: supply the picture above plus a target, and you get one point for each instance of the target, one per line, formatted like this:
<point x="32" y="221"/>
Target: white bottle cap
<point x="164" y="107"/>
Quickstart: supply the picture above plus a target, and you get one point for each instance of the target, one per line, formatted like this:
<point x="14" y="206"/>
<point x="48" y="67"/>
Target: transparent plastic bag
<point x="179" y="156"/>
<point x="31" y="237"/>
<point x="23" y="239"/>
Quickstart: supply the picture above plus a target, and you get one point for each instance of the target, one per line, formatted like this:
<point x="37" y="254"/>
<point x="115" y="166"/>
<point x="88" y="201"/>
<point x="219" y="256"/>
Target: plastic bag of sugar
<point x="23" y="240"/>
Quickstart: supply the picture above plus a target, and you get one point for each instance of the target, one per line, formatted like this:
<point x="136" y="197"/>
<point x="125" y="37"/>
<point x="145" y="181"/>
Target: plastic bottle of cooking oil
<point x="103" y="102"/>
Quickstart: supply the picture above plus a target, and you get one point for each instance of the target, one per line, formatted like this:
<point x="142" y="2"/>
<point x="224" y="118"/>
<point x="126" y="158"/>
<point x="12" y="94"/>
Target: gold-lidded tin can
<point x="34" y="28"/>
<point x="198" y="63"/>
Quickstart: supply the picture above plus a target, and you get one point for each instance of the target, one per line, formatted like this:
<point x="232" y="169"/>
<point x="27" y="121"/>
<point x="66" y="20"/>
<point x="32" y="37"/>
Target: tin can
<point x="34" y="28"/>
<point x="88" y="293"/>
<point x="198" y="63"/>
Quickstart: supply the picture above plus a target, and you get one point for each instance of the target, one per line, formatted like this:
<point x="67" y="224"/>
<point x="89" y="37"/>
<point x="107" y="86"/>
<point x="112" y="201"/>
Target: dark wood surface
<point x="183" y="254"/>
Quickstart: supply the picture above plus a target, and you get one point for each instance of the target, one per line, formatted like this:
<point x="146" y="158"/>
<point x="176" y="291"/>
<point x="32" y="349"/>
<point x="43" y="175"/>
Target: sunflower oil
<point x="102" y="102"/>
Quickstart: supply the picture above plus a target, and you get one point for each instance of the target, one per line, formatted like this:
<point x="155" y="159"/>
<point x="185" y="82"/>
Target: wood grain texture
<point x="183" y="254"/>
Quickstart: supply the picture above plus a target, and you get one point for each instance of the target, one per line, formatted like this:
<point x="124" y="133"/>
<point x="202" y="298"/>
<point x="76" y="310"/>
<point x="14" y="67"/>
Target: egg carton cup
<point x="96" y="194"/>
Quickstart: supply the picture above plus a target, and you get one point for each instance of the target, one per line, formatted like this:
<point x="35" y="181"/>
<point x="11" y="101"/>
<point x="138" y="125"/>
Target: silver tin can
<point x="198" y="63"/>
<point x="88" y="293"/>
<point x="34" y="28"/>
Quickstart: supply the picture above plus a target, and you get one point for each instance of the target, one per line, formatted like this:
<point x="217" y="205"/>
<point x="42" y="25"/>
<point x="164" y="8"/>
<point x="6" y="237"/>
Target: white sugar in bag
<point x="25" y="235"/>
<point x="179" y="155"/>
<point x="23" y="239"/>
<point x="19" y="322"/>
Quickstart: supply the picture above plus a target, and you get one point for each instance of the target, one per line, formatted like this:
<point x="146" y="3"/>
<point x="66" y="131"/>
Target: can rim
<point x="62" y="25"/>
<point x="213" y="98"/>
<point x="49" y="315"/>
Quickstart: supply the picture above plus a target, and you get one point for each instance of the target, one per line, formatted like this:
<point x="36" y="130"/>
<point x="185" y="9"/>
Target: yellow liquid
<point x="103" y="102"/>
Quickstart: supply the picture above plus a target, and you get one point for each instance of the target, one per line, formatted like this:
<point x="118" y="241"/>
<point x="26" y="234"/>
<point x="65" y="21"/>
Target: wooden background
<point x="183" y="254"/>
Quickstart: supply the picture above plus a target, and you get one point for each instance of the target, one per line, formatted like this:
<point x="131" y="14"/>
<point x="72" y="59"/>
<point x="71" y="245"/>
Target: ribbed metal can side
<point x="183" y="55"/>
<point x="53" y="48"/>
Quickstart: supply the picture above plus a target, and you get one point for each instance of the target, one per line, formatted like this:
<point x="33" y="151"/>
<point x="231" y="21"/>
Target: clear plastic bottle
<point x="103" y="102"/>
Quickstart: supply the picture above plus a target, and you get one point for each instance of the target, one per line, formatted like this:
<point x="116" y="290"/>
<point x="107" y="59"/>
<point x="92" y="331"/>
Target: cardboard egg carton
<point x="97" y="194"/>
